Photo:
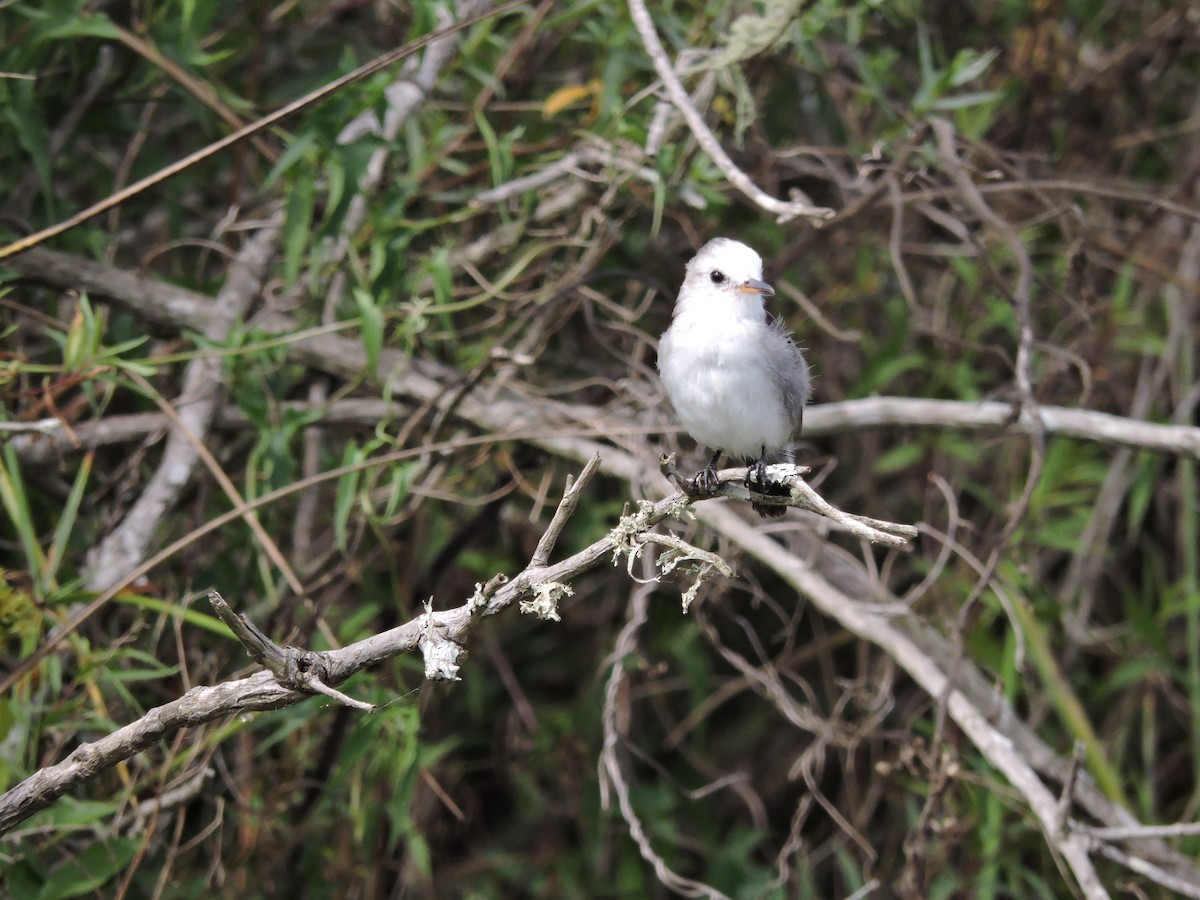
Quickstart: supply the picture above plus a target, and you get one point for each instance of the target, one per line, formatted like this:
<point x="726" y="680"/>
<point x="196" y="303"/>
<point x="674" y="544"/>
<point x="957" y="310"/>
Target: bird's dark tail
<point x="769" y="512"/>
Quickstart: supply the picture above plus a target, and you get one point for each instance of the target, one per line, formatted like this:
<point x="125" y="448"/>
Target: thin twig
<point x="1148" y="870"/>
<point x="1078" y="755"/>
<point x="566" y="509"/>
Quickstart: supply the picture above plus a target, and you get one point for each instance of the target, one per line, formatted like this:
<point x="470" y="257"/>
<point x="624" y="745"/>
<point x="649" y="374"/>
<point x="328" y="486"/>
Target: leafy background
<point x="1076" y="119"/>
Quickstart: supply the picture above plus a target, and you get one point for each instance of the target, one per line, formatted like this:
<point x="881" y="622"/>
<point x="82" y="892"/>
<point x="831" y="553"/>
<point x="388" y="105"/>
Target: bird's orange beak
<point x="754" y="286"/>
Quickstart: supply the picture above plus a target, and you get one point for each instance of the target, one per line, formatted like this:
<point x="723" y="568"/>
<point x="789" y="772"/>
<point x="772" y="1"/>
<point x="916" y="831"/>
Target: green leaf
<point x="398" y="488"/>
<point x="297" y="227"/>
<point x="91" y="869"/>
<point x="335" y="188"/>
<point x="372" y="327"/>
<point x="96" y="25"/>
<point x="295" y="152"/>
<point x="899" y="458"/>
<point x="70" y="814"/>
<point x="1143" y="485"/>
<point x="347" y="493"/>
<point x="438" y="267"/>
<point x="23" y="113"/>
<point x="66" y="524"/>
<point x="172" y="608"/>
<point x="969" y="65"/>
<point x="16" y="504"/>
<point x="660" y="203"/>
<point x="498" y="159"/>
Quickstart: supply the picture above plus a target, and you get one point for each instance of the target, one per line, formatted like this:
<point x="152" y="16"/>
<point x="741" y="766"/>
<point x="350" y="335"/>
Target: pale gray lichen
<point x="478" y="601"/>
<point x="544" y="602"/>
<point x="679" y="554"/>
<point x="749" y="34"/>
<point x="680" y="507"/>
<point x="633" y="533"/>
<point x="441" y="655"/>
<point x="625" y="534"/>
<point x="441" y="659"/>
<point x="701" y="564"/>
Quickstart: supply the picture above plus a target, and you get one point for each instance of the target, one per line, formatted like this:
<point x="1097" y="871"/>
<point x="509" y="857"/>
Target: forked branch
<point x="441" y="635"/>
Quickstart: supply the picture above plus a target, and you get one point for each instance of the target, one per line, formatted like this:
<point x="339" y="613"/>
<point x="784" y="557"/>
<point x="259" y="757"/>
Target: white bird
<point x="736" y="379"/>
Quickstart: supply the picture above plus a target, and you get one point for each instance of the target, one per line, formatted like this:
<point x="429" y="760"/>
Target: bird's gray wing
<point x="789" y="372"/>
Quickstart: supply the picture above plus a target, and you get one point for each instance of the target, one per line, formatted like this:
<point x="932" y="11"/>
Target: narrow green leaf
<point x="372" y="326"/>
<point x="899" y="458"/>
<point x="969" y="65"/>
<point x="347" y="492"/>
<point x="296" y="151"/>
<point x="96" y="25"/>
<point x="335" y="188"/>
<point x="66" y="524"/>
<point x="398" y="489"/>
<point x="12" y="496"/>
<point x="171" y="608"/>
<point x="492" y="143"/>
<point x="297" y="227"/>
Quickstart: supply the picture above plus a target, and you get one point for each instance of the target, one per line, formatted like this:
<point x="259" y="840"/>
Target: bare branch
<point x="128" y="544"/>
<point x="732" y="483"/>
<point x="1081" y="424"/>
<point x="566" y="509"/>
<point x="44" y="441"/>
<point x="783" y="210"/>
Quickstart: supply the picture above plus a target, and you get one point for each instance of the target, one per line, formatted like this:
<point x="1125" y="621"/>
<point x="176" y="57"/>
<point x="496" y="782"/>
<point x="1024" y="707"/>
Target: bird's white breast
<point x="714" y="370"/>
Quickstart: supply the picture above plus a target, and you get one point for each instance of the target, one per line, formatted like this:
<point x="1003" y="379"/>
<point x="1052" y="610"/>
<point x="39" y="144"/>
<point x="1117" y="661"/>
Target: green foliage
<point x="488" y="787"/>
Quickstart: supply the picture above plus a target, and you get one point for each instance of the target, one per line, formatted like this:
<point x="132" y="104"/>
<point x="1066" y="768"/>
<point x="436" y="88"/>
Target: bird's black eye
<point x="717" y="276"/>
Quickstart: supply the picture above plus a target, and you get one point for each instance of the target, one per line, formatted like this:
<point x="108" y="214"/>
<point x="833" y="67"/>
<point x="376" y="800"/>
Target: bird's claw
<point x="707" y="480"/>
<point x="758" y="470"/>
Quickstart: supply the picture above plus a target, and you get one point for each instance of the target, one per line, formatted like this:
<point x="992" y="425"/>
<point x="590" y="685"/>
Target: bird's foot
<point x="758" y="469"/>
<point x="707" y="480"/>
<point x="758" y="484"/>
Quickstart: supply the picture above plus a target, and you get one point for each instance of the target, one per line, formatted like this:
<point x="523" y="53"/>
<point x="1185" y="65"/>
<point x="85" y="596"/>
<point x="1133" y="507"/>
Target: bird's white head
<point x="724" y="277"/>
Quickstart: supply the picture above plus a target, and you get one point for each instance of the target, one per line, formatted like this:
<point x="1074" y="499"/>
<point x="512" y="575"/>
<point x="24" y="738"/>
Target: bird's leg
<point x="706" y="479"/>
<point x="759" y="468"/>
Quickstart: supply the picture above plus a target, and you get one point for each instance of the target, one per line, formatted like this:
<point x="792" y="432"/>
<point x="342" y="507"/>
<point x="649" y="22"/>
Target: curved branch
<point x="783" y="210"/>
